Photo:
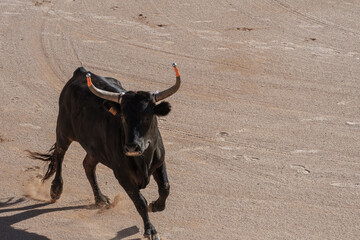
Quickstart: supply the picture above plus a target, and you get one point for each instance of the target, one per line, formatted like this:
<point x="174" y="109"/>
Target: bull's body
<point x="83" y="118"/>
<point x="122" y="136"/>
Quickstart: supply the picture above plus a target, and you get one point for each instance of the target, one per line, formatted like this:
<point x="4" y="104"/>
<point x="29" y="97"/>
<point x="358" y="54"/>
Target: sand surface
<point x="262" y="142"/>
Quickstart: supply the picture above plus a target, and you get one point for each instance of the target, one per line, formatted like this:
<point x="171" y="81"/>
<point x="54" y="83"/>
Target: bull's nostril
<point x="137" y="148"/>
<point x="132" y="148"/>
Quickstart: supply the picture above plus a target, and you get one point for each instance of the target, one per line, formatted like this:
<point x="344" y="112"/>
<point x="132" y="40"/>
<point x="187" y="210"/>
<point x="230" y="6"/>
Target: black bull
<point x="117" y="128"/>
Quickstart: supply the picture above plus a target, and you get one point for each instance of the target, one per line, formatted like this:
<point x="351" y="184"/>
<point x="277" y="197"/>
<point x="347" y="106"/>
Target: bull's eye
<point x="147" y="119"/>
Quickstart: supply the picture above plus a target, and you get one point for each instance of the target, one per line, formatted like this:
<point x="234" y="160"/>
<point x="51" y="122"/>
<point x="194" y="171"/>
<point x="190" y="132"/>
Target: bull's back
<point x="77" y="85"/>
<point x="82" y="116"/>
<point x="76" y="92"/>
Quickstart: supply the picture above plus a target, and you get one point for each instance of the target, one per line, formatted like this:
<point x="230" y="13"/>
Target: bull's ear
<point x="162" y="109"/>
<point x="112" y="107"/>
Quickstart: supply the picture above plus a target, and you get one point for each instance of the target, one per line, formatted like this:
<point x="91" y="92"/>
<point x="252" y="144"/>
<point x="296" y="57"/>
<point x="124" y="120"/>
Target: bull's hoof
<point x="156" y="207"/>
<point x="150" y="232"/>
<point x="56" y="190"/>
<point x="152" y="237"/>
<point x="102" y="200"/>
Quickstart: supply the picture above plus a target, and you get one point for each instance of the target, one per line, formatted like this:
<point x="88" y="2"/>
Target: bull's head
<point x="138" y="111"/>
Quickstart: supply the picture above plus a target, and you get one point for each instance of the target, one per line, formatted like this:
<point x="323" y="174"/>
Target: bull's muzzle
<point x="132" y="150"/>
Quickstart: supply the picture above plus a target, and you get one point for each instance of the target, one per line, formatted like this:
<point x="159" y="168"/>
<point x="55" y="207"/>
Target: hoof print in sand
<point x="222" y="135"/>
<point x="300" y="169"/>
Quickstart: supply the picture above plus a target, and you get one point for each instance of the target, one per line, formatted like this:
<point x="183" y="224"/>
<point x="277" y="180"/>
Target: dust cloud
<point x="37" y="190"/>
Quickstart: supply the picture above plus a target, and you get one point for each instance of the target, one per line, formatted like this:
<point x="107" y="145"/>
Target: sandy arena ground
<point x="262" y="142"/>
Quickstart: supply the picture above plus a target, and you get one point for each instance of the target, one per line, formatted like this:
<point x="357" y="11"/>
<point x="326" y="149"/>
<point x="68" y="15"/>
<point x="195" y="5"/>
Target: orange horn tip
<point x="88" y="78"/>
<point x="176" y="70"/>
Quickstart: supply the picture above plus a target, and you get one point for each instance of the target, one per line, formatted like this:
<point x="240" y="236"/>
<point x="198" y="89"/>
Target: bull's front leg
<point x="141" y="206"/>
<point x="162" y="181"/>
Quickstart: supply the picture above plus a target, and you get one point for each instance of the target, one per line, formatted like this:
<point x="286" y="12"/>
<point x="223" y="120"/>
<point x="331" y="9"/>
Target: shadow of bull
<point x="8" y="232"/>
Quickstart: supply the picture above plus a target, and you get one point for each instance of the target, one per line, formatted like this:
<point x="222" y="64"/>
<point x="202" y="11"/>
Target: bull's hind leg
<point x="89" y="164"/>
<point x="57" y="183"/>
<point x="162" y="181"/>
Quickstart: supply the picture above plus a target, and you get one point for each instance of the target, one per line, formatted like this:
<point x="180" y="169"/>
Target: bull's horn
<point x="170" y="91"/>
<point x="111" y="96"/>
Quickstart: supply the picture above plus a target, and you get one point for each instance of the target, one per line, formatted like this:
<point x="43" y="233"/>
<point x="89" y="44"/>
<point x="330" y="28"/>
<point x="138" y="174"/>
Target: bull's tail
<point x="46" y="157"/>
